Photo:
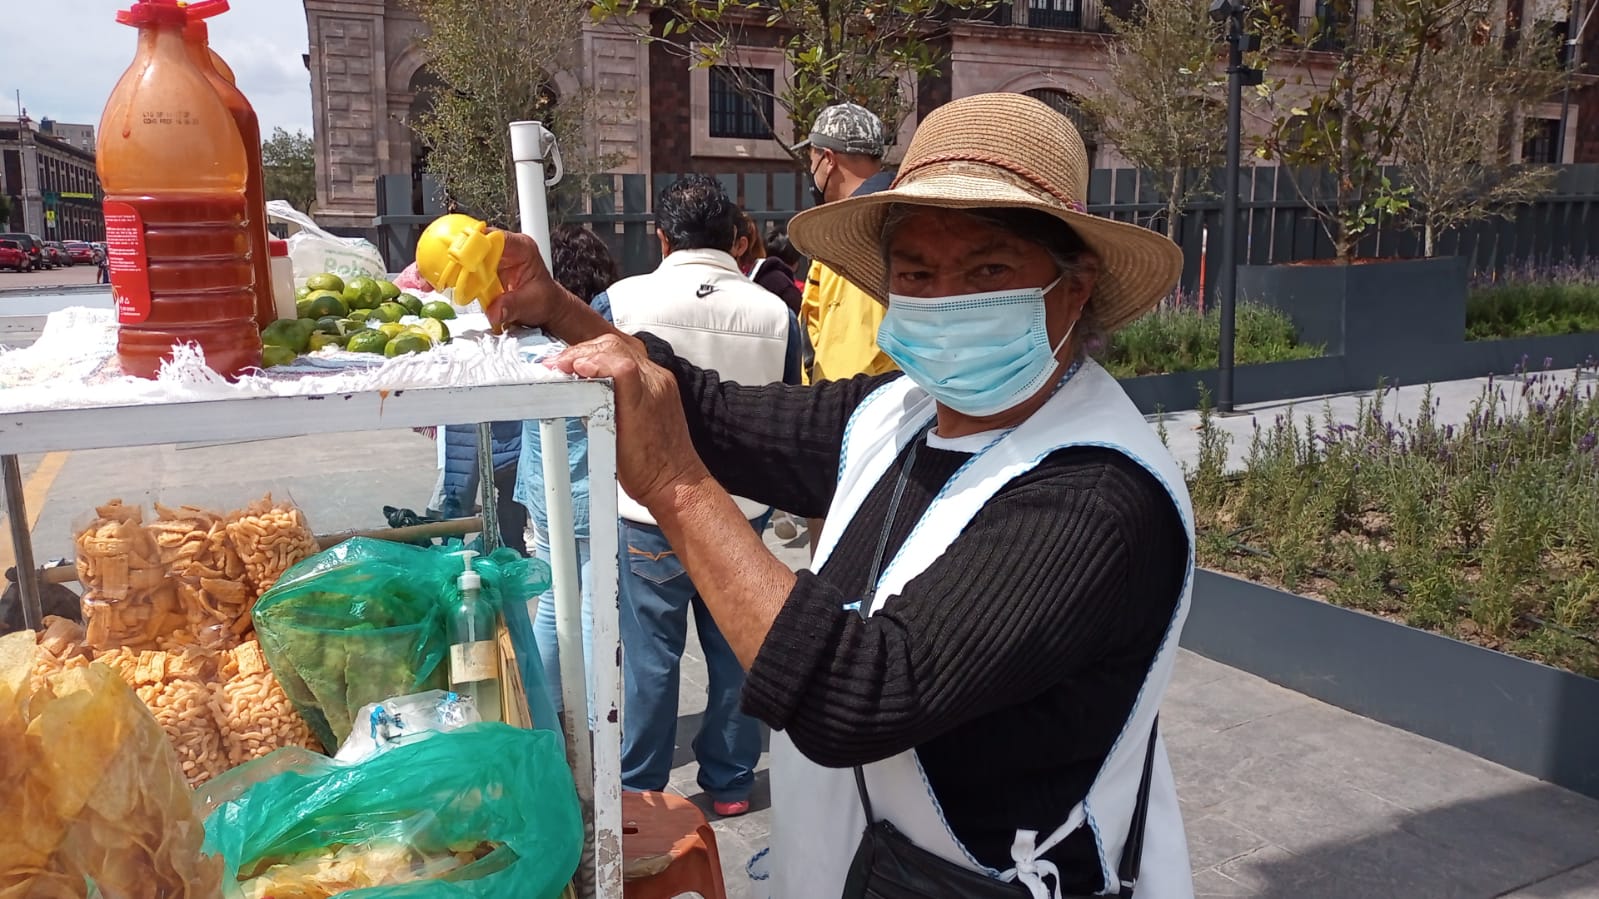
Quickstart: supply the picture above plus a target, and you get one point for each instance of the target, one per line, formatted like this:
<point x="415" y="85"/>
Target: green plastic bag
<point x="484" y="783"/>
<point x="359" y="623"/>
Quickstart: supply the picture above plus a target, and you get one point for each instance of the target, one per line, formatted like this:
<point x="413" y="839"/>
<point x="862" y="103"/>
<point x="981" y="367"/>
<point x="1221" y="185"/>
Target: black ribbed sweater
<point x="1009" y="664"/>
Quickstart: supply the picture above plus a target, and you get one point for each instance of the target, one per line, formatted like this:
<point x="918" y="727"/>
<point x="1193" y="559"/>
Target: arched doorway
<point x="1069" y="106"/>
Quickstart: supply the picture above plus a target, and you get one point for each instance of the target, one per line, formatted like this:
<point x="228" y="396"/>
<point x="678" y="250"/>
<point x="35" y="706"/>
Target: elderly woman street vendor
<point x="964" y="690"/>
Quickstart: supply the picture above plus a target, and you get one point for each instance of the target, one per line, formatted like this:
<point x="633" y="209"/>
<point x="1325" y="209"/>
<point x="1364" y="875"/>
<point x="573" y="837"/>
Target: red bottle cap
<point x="277" y="247"/>
<point x="205" y="9"/>
<point x="154" y="12"/>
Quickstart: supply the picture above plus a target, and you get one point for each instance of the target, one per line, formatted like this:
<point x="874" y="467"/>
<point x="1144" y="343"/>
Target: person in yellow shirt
<point x="846" y="146"/>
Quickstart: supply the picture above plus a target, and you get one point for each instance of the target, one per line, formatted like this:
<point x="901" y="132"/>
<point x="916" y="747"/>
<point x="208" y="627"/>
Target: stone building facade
<point x="47" y="170"/>
<point x="657" y="114"/>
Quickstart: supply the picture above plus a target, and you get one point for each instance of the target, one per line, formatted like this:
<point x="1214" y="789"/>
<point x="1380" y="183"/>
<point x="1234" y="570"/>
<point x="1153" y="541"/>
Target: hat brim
<point x="1138" y="267"/>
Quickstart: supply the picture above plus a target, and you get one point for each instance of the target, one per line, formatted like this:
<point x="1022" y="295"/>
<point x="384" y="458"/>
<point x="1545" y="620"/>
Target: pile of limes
<point x="361" y="315"/>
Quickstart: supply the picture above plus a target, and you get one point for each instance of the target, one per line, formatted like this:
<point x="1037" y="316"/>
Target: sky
<point x="65" y="56"/>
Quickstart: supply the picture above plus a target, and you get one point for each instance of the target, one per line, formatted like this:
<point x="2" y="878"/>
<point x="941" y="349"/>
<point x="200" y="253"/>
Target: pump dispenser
<point x="474" y="654"/>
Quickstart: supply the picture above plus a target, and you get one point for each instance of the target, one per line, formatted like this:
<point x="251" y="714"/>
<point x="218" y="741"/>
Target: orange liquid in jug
<point x="199" y="288"/>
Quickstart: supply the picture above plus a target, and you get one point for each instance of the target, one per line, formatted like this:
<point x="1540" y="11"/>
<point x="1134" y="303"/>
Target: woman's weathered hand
<point x="654" y="452"/>
<point x="531" y="295"/>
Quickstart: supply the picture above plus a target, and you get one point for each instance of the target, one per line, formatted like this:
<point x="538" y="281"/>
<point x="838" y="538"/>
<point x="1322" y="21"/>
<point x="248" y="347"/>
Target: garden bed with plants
<point x="1535" y="301"/>
<point x="1486" y="531"/>
<point x="1180" y="338"/>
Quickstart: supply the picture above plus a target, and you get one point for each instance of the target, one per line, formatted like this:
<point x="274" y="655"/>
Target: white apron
<point x="817" y="815"/>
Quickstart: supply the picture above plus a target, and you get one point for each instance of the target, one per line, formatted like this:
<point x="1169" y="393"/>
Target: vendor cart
<point x="595" y="758"/>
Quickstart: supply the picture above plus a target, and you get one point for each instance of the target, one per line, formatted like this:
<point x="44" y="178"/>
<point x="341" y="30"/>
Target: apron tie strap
<point x="1031" y="870"/>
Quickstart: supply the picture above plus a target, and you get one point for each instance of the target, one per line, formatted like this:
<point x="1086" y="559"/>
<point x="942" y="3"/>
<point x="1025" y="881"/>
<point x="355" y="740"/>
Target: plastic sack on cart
<point x="314" y="250"/>
<point x="486" y="811"/>
<point x="90" y="789"/>
<point x="353" y="625"/>
<point x="384" y="725"/>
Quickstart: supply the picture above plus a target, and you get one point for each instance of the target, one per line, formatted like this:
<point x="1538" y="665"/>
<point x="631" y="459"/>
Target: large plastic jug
<point x="221" y="77"/>
<point x="174" y="169"/>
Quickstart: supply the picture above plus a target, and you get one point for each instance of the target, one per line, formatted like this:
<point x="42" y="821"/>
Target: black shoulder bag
<point x="887" y="865"/>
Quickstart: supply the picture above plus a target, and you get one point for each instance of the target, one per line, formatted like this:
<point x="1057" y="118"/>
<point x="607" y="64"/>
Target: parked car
<point x="79" y="251"/>
<point x="14" y="257"/>
<point x="31" y="245"/>
<point x="57" y="252"/>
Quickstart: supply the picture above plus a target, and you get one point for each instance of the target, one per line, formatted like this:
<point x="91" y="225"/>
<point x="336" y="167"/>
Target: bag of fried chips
<point x="90" y="790"/>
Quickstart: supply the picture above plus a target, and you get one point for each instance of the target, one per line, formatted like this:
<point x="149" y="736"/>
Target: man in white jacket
<point x="701" y="303"/>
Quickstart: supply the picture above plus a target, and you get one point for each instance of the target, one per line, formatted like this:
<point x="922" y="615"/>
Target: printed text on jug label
<point x="125" y="258"/>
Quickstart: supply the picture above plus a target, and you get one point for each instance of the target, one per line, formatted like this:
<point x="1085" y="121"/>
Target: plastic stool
<point x="668" y="849"/>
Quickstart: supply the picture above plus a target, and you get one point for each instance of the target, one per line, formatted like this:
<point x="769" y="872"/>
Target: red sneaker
<point x="731" y="809"/>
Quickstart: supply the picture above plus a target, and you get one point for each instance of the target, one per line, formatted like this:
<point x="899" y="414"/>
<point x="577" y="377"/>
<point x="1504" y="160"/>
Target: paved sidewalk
<point x="1290" y="798"/>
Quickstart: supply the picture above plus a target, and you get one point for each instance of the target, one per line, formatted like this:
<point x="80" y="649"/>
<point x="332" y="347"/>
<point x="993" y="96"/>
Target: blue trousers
<point x="544" y="624"/>
<point x="656" y="595"/>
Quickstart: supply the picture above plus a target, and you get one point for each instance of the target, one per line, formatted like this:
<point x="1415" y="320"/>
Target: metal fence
<point x="1277" y="224"/>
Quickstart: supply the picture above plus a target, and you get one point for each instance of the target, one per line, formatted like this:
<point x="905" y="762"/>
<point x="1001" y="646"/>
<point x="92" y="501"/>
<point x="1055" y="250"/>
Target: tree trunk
<point x="1173" y="207"/>
<point x="1426" y="240"/>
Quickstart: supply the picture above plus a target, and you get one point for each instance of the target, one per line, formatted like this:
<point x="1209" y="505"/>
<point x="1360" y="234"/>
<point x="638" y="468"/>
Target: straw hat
<point x="996" y="150"/>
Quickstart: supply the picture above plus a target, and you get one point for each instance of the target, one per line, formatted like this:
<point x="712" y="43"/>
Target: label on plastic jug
<point x="472" y="662"/>
<point x="125" y="258"/>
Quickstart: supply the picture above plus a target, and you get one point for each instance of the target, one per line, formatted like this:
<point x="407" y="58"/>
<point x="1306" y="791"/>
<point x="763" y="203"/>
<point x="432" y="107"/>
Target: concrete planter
<point x="1530" y="717"/>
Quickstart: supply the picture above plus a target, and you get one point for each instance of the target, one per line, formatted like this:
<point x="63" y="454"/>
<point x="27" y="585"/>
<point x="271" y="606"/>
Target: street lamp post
<point x="1238" y="75"/>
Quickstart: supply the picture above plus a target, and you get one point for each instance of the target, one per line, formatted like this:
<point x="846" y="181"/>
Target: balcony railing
<point x="1064" y="15"/>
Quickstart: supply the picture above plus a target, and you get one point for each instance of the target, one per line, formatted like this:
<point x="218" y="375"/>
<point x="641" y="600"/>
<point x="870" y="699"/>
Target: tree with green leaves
<point x="856" y="51"/>
<point x="1344" y="111"/>
<point x="1162" y="105"/>
<point x="288" y="164"/>
<point x="496" y="60"/>
<point x="1473" y="87"/>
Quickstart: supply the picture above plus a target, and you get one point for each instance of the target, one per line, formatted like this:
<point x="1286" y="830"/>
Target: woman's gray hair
<point x="1068" y="251"/>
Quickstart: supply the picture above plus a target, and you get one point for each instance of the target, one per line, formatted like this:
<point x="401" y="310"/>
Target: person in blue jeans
<point x="583" y="265"/>
<point x="699" y="300"/>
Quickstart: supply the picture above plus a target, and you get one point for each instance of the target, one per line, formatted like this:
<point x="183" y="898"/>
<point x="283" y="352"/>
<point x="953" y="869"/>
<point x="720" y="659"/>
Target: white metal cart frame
<point x="595" y="760"/>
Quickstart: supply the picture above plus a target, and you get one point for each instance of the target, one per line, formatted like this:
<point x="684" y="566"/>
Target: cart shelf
<point x="596" y="757"/>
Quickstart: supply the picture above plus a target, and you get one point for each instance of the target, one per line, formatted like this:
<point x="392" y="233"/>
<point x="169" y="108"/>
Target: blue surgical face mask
<point x="978" y="353"/>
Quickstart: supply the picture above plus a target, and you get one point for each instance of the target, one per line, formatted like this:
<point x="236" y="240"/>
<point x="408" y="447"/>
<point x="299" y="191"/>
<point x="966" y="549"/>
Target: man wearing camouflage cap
<point x="846" y="160"/>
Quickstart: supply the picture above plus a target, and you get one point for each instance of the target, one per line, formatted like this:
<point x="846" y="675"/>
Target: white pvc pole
<point x="531" y="144"/>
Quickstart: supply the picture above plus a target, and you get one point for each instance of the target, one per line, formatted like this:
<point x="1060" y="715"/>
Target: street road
<point x="59" y="277"/>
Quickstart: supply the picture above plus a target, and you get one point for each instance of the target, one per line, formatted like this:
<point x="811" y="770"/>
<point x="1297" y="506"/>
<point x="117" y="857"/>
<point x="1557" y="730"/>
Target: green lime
<point x="433" y="328"/>
<point x="387" y="290"/>
<point x="302" y="307"/>
<point x="412" y="303"/>
<point x="392" y="329"/>
<point x="327" y="324"/>
<point x="324" y="305"/>
<point x="438" y="309"/>
<point x="289" y="333"/>
<point x="325" y="281"/>
<point x="320" y="340"/>
<point x="362" y="291"/>
<point x="301" y="293"/>
<point x="389" y="312"/>
<point x="367" y="342"/>
<point x="276" y="355"/>
<point x="410" y="342"/>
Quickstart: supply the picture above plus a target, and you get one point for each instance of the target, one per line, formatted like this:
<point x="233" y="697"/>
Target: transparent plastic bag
<point x="485" y="811"/>
<point x="383" y="725"/>
<point x="90" y="789"/>
<point x="314" y="251"/>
